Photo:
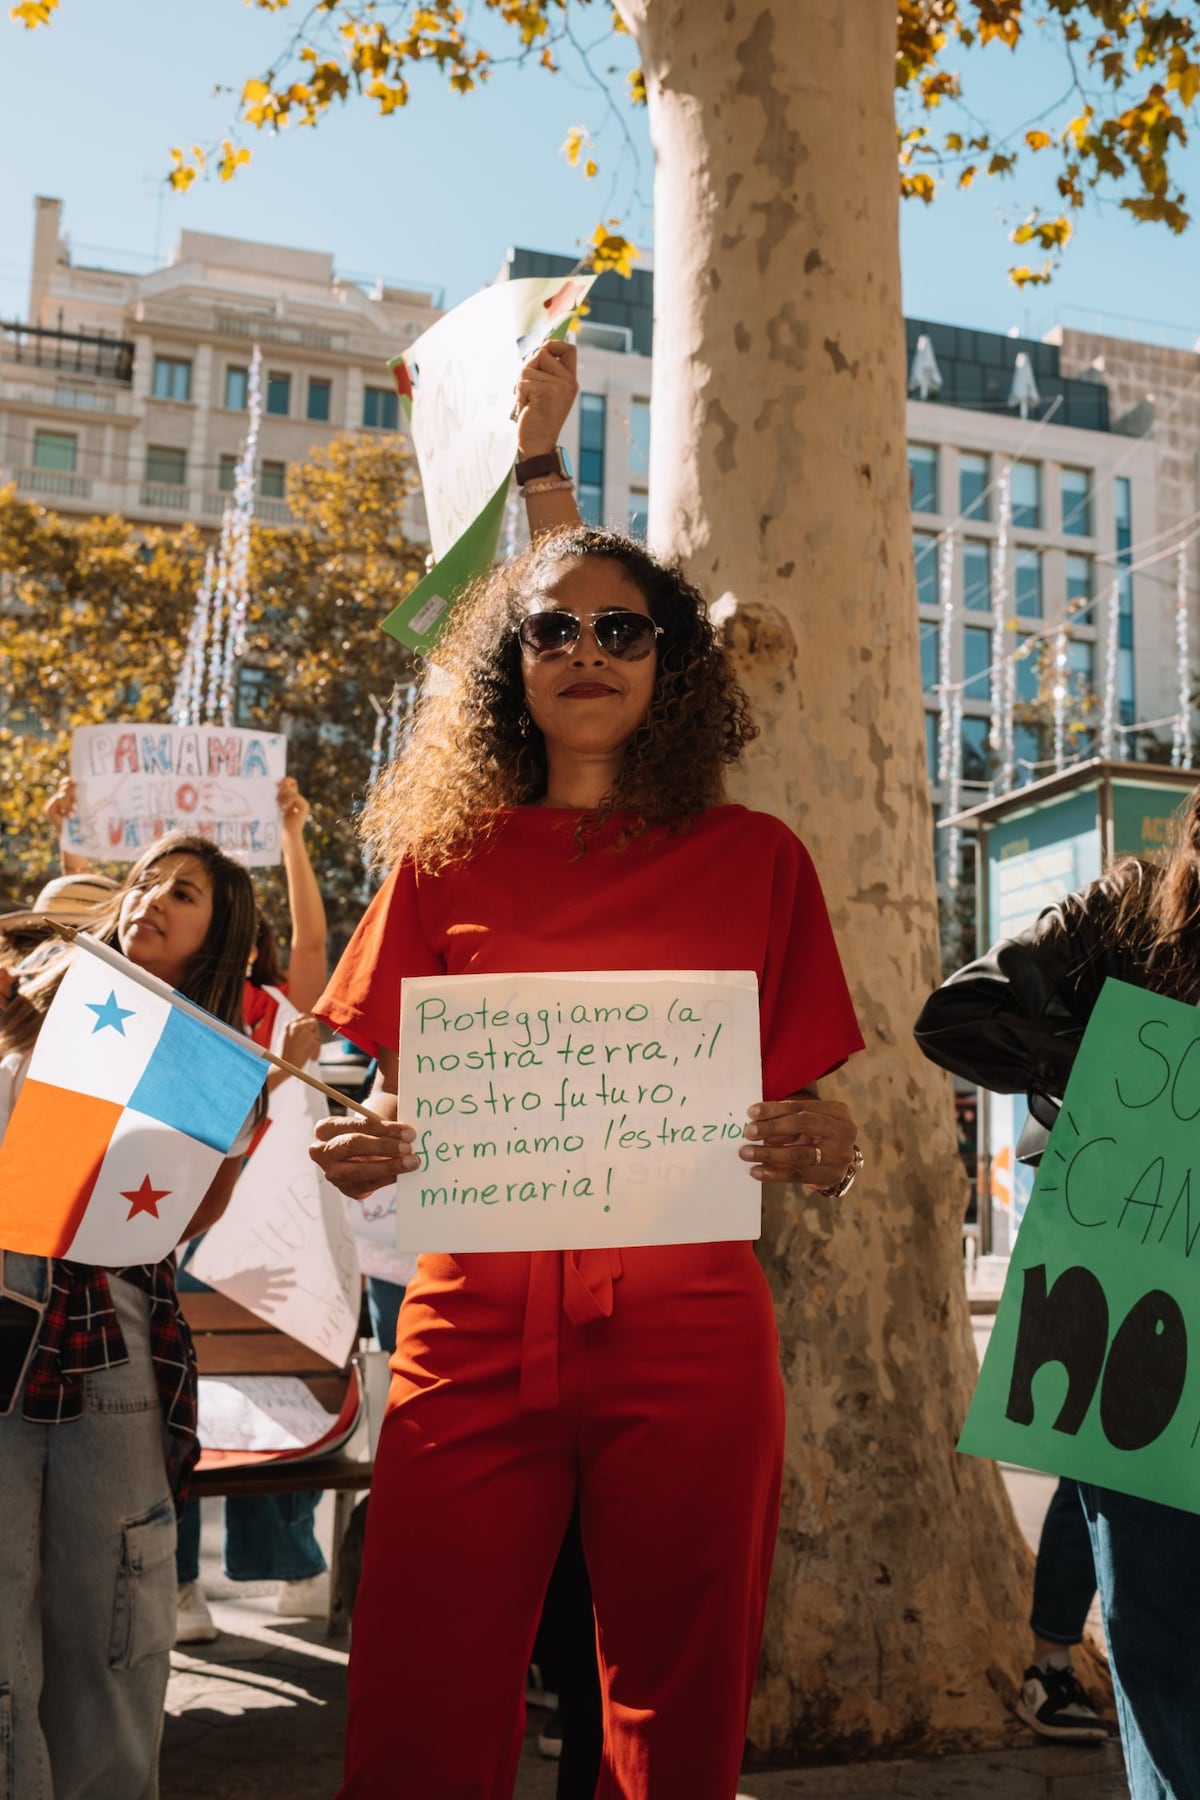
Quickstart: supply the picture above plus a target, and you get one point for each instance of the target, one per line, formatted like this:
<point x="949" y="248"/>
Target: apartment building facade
<point x="128" y="393"/>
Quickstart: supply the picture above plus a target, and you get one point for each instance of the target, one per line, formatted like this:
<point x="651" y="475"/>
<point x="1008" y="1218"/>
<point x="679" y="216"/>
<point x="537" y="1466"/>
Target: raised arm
<point x="59" y="808"/>
<point x="545" y="395"/>
<point x="308" y="957"/>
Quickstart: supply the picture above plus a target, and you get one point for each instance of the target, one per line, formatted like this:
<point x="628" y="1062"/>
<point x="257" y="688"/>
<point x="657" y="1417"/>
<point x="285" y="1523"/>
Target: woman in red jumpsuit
<point x="559" y="807"/>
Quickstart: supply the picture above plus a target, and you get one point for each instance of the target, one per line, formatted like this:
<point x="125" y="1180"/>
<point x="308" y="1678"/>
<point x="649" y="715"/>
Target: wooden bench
<point x="231" y="1341"/>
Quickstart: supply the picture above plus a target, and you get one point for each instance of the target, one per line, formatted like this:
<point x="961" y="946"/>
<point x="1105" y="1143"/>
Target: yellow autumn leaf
<point x="32" y="13"/>
<point x="637" y="87"/>
<point x="590" y="168"/>
<point x="612" y="251"/>
<point x="1038" y="140"/>
<point x="233" y="158"/>
<point x="573" y="143"/>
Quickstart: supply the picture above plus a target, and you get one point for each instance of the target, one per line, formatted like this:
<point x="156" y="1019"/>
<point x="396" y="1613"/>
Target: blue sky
<point x="434" y="195"/>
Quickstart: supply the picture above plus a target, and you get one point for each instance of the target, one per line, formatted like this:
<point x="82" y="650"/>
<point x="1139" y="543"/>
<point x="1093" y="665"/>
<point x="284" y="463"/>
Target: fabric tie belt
<point x="576" y="1282"/>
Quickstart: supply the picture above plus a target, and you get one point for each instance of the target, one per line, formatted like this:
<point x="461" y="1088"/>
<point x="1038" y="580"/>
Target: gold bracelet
<point x="547" y="484"/>
<point x="841" y="1188"/>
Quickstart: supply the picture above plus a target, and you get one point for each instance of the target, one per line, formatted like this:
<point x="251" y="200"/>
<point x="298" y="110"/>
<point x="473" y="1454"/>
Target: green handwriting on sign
<point x="560" y="1112"/>
<point x="1094" y="1365"/>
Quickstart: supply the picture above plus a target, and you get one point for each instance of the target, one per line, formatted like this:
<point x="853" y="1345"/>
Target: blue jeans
<point x="1148" y="1568"/>
<point x="383" y="1304"/>
<point x="268" y="1537"/>
<point x="1064" y="1577"/>
<point x="87" y="1587"/>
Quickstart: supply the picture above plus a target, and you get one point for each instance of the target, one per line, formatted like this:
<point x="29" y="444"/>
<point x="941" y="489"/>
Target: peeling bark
<point x="899" y="1611"/>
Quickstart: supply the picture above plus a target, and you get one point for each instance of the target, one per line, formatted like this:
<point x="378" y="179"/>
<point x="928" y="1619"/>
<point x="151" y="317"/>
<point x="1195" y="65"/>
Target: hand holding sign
<point x="546" y="393"/>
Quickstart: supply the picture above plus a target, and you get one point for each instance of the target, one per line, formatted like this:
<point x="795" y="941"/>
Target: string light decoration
<point x="240" y="522"/>
<point x="946" y="597"/>
<point x="1108" y="714"/>
<point x="1059" y="692"/>
<point x="1002" y="732"/>
<point x="954" y="790"/>
<point x="1181" y="736"/>
<point x="204" y="692"/>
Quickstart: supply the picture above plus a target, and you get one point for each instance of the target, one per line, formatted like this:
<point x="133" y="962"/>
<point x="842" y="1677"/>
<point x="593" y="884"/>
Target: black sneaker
<point x="550" y="1737"/>
<point x="1053" y="1704"/>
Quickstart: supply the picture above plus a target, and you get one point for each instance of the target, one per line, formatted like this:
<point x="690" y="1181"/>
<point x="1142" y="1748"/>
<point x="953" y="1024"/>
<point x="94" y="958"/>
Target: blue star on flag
<point x="109" y="1014"/>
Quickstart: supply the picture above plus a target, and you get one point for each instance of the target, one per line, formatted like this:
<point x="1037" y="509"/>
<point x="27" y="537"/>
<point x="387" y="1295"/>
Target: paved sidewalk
<point x="261" y="1713"/>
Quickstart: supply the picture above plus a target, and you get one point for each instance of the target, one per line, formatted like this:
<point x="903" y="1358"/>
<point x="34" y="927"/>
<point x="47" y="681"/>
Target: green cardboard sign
<point x="1093" y="1369"/>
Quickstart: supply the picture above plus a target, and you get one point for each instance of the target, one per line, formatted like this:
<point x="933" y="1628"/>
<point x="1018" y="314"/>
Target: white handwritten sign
<point x="558" y="1112"/>
<point x="284" y="1247"/>
<point x="135" y="782"/>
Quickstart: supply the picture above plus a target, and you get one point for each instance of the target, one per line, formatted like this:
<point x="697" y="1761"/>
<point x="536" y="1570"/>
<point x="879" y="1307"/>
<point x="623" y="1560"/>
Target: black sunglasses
<point x="625" y="636"/>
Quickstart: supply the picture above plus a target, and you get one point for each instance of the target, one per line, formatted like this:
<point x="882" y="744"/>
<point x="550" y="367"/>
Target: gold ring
<point x="817" y="1154"/>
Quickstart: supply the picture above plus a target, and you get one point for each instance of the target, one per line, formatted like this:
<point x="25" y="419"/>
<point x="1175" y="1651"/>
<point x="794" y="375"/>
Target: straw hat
<point x="67" y="900"/>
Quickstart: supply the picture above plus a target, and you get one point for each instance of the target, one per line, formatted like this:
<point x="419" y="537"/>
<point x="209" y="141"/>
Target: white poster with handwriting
<point x="284" y="1247"/>
<point x="135" y="782"/>
<point x="562" y="1112"/>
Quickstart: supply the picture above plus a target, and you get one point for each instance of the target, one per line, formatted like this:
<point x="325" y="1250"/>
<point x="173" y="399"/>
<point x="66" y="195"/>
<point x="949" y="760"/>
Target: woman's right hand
<point x="545" y="395"/>
<point x="301" y="1040"/>
<point x="61" y="803"/>
<point x="359" y="1155"/>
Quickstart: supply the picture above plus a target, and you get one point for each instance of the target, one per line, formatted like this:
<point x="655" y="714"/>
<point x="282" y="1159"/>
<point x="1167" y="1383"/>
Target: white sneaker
<point x="306" y="1599"/>
<point x="194" y="1623"/>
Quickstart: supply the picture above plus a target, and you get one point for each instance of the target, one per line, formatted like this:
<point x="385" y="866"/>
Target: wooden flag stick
<point x="105" y="953"/>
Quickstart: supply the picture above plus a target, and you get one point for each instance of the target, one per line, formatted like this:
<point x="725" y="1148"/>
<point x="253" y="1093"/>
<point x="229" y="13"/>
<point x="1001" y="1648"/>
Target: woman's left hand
<point x="293" y="807"/>
<point x="801" y="1139"/>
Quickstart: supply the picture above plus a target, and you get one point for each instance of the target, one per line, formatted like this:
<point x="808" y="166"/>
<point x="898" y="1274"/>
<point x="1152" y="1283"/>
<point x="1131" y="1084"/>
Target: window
<point x="279" y="394"/>
<point x="1028" y="670"/>
<point x="55" y="450"/>
<point x="930" y="636"/>
<point x="1081" y="661"/>
<point x="976" y="755"/>
<point x="977" y="575"/>
<point x="1026" y="494"/>
<point x="639" y="513"/>
<point x="166" y="464"/>
<point x="1123" y="507"/>
<point x="172" y="378"/>
<point x="591" y="458"/>
<point x="1027" y="579"/>
<point x="639" y="438"/>
<point x="318" y="400"/>
<point x="273" y="480"/>
<point x="977" y="663"/>
<point x="925" y="557"/>
<point x="923" y="478"/>
<point x="237" y="389"/>
<point x="1076" y="503"/>
<point x="1079" y="582"/>
<point x="227" y="474"/>
<point x="381" y="409"/>
<point x="974" y="474"/>
<point x="931" y="747"/>
<point x="1027" y="753"/>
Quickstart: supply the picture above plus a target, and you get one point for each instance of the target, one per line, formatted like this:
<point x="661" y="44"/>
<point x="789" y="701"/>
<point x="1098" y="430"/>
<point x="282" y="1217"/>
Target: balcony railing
<point x="271" y="330"/>
<point x="80" y="352"/>
<point x="166" y="496"/>
<point x="270" y="510"/>
<point x="56" y="484"/>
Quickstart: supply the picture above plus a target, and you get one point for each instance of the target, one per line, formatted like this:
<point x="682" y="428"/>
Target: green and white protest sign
<point x="457" y="384"/>
<point x="566" y="1112"/>
<point x="1093" y="1369"/>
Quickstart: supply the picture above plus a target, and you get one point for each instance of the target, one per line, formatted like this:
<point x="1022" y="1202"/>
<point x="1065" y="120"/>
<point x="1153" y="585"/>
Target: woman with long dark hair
<point x="1012" y="1021"/>
<point x="560" y="807"/>
<point x="98" y="1423"/>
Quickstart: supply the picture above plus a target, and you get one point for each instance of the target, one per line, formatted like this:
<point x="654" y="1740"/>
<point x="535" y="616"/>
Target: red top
<point x="734" y="890"/>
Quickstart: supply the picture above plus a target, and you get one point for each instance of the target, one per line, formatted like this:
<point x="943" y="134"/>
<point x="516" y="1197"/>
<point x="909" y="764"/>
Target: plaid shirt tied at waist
<point x="80" y="1335"/>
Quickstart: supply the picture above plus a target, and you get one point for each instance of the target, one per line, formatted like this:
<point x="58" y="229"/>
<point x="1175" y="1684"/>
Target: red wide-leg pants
<point x="646" y="1381"/>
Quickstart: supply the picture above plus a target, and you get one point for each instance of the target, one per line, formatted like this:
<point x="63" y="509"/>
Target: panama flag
<point x="128" y="1108"/>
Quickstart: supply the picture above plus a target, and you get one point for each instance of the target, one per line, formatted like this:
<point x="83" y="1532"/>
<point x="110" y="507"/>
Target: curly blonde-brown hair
<point x="474" y="748"/>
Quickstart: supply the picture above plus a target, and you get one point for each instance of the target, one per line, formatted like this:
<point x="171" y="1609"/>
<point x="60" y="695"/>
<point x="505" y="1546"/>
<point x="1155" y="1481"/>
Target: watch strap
<point x="549" y="462"/>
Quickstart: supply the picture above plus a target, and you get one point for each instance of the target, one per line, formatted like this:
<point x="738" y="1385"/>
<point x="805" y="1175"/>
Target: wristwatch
<point x="550" y="462"/>
<point x="848" y="1179"/>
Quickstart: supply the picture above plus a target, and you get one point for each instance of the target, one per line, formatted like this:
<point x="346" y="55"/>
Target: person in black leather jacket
<point x="1012" y="1021"/>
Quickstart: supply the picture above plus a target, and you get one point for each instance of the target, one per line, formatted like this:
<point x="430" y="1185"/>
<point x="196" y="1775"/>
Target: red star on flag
<point x="144" y="1199"/>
